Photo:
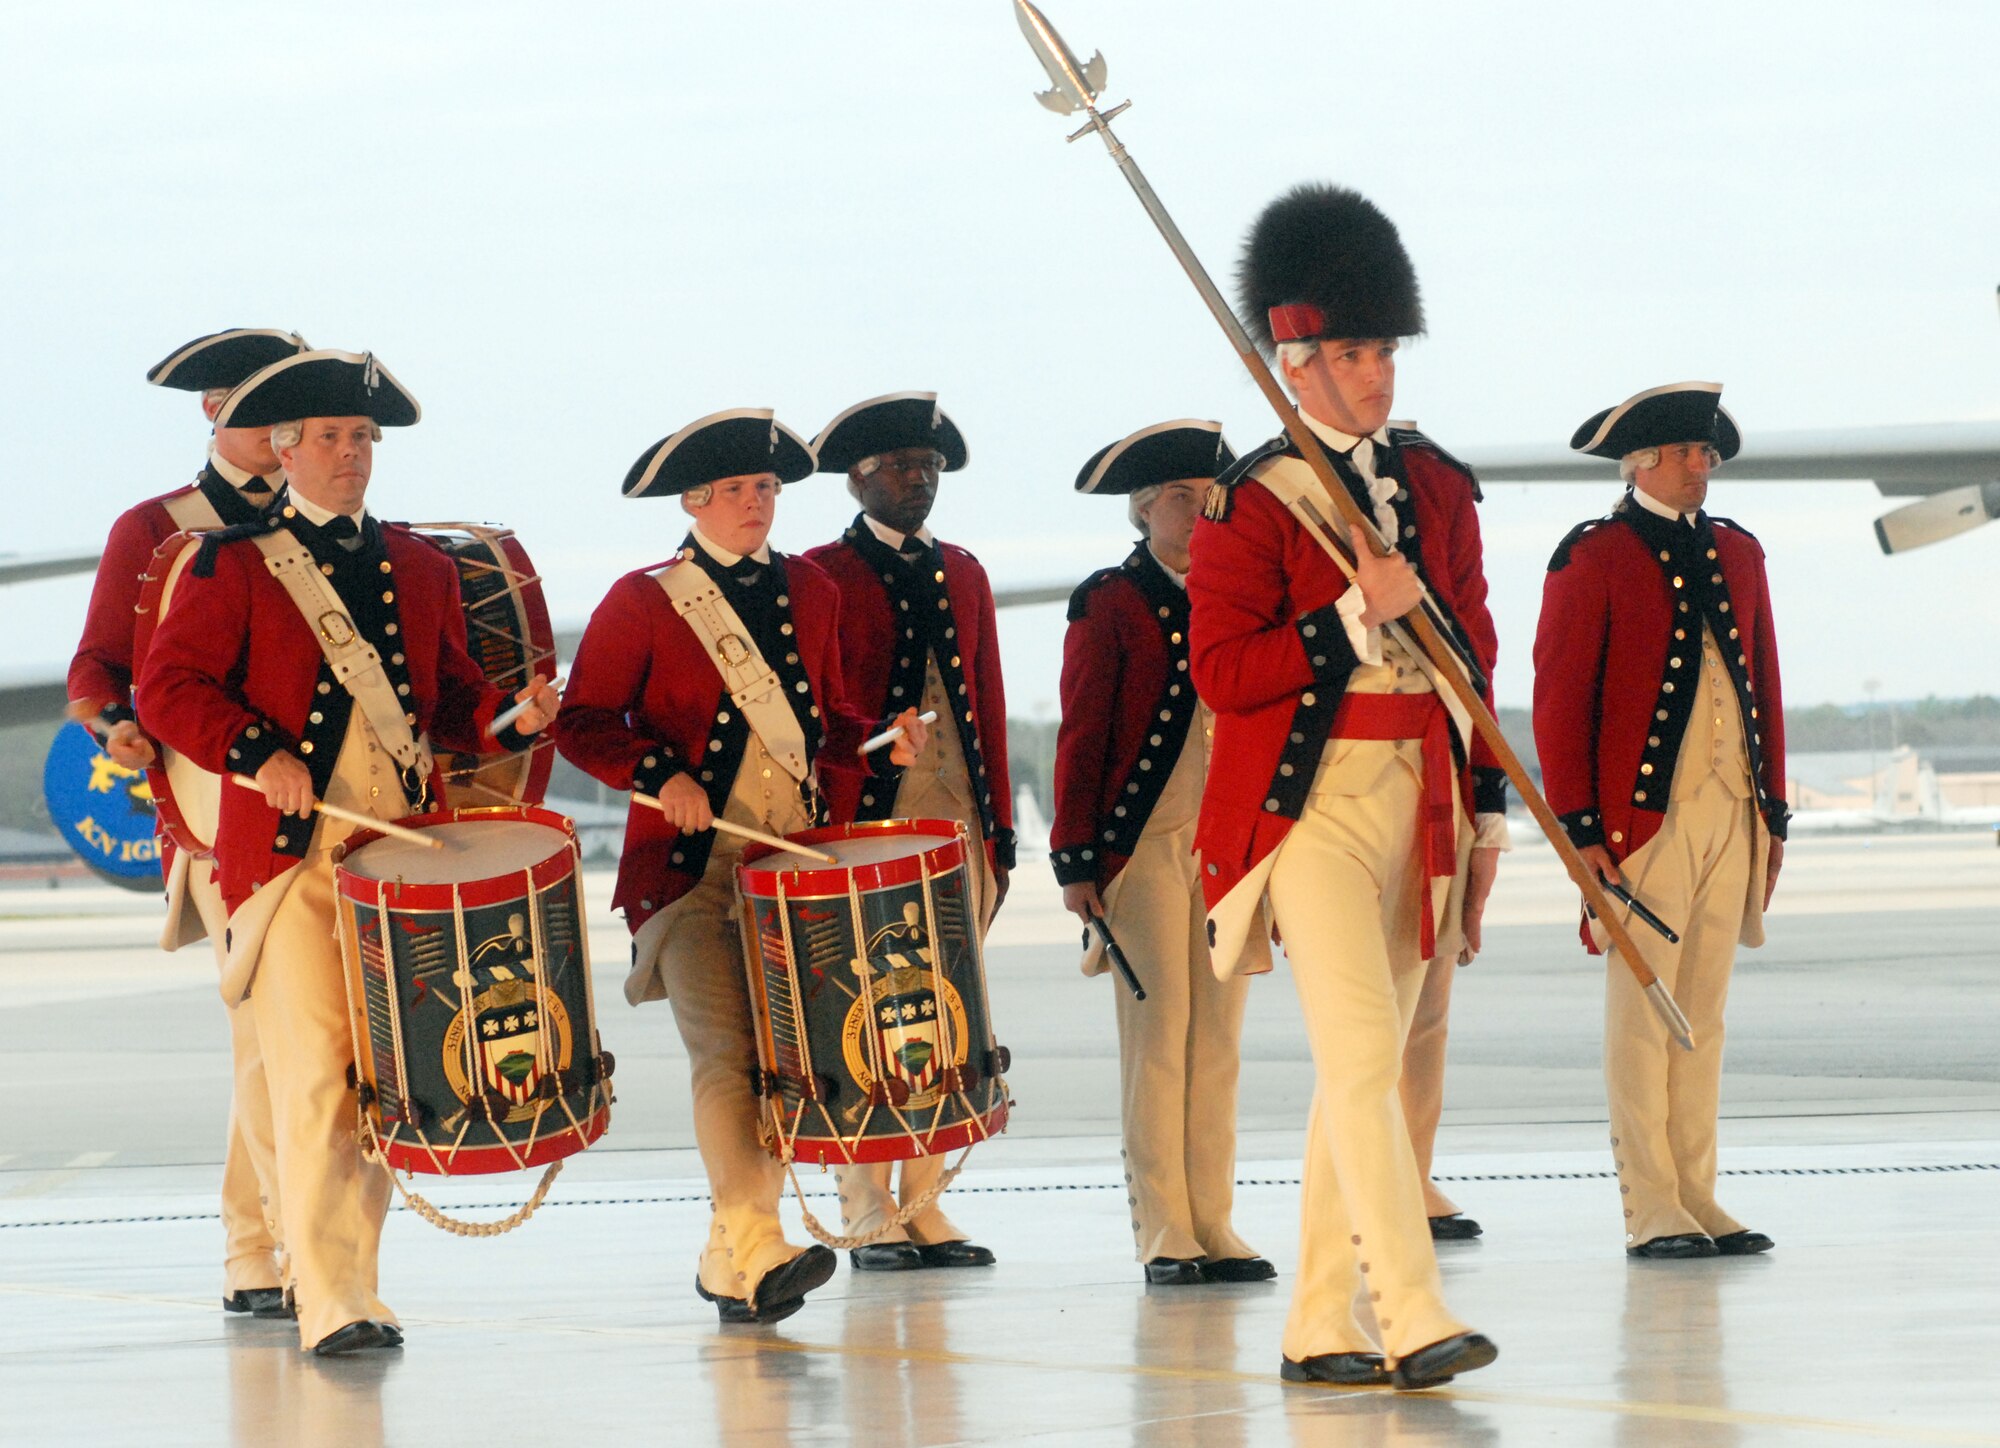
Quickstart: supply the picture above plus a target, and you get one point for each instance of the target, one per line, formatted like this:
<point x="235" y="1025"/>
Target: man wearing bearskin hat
<point x="317" y="652"/>
<point x="916" y="628"/>
<point x="1132" y="755"/>
<point x="1661" y="731"/>
<point x="1343" y="795"/>
<point x="236" y="483"/>
<point x="668" y="697"/>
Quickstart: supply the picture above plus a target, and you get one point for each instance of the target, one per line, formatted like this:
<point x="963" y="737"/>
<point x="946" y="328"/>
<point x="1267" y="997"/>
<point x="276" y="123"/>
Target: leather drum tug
<point x="468" y="979"/>
<point x="508" y="634"/>
<point x="868" y="992"/>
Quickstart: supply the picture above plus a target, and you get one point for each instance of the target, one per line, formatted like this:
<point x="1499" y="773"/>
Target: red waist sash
<point x="1421" y="717"/>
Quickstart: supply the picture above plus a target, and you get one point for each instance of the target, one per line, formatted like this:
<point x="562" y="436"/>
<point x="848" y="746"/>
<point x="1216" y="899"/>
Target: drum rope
<point x="903" y="1218"/>
<point x="458" y="1226"/>
<point x="938" y="994"/>
<point x="474" y="1077"/>
<point x="799" y="1031"/>
<point x="544" y="1045"/>
<point x="872" y="1035"/>
<point x="596" y="1046"/>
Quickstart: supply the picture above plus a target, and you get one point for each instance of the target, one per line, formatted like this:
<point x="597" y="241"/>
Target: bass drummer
<point x="710" y="686"/>
<point x="317" y="653"/>
<point x="234" y="486"/>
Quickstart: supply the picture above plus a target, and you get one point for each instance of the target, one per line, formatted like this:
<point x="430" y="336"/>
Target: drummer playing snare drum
<point x="244" y="678"/>
<point x="672" y="696"/>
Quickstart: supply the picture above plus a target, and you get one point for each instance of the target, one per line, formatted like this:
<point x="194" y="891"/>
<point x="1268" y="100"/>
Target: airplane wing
<point x="1954" y="466"/>
<point x="25" y="568"/>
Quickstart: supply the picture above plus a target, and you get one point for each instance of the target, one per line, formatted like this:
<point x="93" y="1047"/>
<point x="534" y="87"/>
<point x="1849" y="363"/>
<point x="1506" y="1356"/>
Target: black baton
<point x="1116" y="956"/>
<point x="1621" y="893"/>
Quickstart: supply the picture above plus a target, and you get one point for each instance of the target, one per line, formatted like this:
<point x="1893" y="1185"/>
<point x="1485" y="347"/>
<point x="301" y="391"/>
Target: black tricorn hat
<point x="883" y="424"/>
<point x="1162" y="453"/>
<point x="732" y="444"/>
<point x="1327" y="263"/>
<point x="223" y="359"/>
<point x="320" y="384"/>
<point x="1677" y="412"/>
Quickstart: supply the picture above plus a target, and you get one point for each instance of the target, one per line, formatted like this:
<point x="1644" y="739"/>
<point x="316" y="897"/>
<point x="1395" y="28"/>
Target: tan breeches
<point x="874" y="1193"/>
<point x="1695" y="874"/>
<point x="1178" y="1056"/>
<point x="333" y="1200"/>
<point x="1423" y="1075"/>
<point x="250" y="1211"/>
<point x="700" y="957"/>
<point x="1344" y="894"/>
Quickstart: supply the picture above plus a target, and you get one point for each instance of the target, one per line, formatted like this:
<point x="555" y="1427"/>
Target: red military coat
<point x="1127" y="698"/>
<point x="642" y="705"/>
<point x="101" y="673"/>
<point x="1271" y="655"/>
<point x="881" y="650"/>
<point x="1618" y="658"/>
<point x="234" y="674"/>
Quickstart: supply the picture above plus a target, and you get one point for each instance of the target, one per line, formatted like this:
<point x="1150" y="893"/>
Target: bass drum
<point x="186" y="797"/>
<point x="507" y="633"/>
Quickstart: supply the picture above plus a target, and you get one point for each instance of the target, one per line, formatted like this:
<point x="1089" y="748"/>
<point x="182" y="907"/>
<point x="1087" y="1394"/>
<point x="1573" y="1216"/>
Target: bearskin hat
<point x="1334" y="261"/>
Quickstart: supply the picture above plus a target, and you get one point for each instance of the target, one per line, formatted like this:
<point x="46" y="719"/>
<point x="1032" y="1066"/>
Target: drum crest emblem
<point x="907" y="1021"/>
<point x="520" y="1034"/>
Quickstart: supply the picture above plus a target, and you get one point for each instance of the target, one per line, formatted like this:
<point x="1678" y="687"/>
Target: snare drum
<point x="868" y="991"/>
<point x="469" y="979"/>
<point x="507" y="632"/>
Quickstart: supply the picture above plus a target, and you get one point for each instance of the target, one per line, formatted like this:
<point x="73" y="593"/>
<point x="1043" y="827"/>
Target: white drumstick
<point x="890" y="736"/>
<point x="367" y="822"/>
<point x="516" y="710"/>
<point x="748" y="834"/>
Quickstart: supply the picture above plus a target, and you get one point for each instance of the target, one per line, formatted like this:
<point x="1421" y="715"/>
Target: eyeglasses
<point x="929" y="464"/>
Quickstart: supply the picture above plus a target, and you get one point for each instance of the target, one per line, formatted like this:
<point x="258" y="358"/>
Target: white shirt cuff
<point x="1367" y="642"/>
<point x="1490" y="832"/>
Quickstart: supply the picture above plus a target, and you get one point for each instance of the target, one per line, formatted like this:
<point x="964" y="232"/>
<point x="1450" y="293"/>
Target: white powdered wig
<point x="859" y="471"/>
<point x="1136" y="504"/>
<point x="699" y="495"/>
<point x="1298" y="353"/>
<point x="1645" y="457"/>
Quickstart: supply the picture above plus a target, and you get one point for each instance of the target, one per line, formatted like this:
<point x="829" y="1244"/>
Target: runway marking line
<point x="1671" y="1412"/>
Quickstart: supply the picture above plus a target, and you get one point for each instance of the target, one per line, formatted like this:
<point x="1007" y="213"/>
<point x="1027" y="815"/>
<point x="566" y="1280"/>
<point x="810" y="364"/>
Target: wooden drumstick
<point x="890" y="736"/>
<point x="748" y="834"/>
<point x="517" y="709"/>
<point x="352" y="817"/>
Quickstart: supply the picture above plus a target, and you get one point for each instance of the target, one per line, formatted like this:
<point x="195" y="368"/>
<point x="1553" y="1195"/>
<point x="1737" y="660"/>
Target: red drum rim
<point x="164" y="567"/>
<point x="411" y="1156"/>
<point x="492" y="890"/>
<point x="896" y="1145"/>
<point x="814" y="882"/>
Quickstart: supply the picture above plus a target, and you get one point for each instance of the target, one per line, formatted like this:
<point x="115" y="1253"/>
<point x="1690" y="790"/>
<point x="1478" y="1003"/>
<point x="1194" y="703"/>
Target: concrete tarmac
<point x="1862" y="1106"/>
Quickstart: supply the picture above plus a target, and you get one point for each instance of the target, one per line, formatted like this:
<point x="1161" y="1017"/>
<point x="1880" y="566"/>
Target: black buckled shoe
<point x="1236" y="1269"/>
<point x="257" y="1301"/>
<point x="1679" y="1247"/>
<point x="1346" y="1369"/>
<point x="886" y="1257"/>
<point x="1428" y="1367"/>
<point x="1742" y="1244"/>
<point x="1457" y="1227"/>
<point x="1173" y="1272"/>
<point x="362" y="1336"/>
<point x="785" y="1286"/>
<point x="954" y="1254"/>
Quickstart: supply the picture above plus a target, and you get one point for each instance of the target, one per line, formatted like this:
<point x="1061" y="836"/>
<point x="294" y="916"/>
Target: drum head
<point x="473" y="850"/>
<point x="871" y="849"/>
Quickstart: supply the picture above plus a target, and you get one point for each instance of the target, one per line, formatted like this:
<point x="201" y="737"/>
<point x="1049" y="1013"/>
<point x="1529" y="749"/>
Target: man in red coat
<point x="1341" y="793"/>
<point x="328" y="687"/>
<point x="234" y="486"/>
<point x="1661" y="730"/>
<point x="916" y="629"/>
<point x="1132" y="755"/>
<point x="670" y="696"/>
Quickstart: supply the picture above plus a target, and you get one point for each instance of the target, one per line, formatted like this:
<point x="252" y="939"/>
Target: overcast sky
<point x="571" y="229"/>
